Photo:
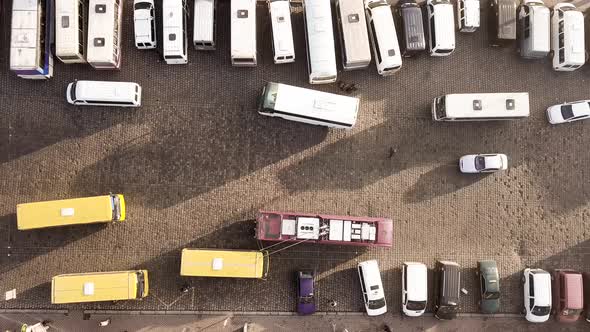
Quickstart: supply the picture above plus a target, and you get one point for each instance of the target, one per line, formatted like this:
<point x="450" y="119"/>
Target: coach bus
<point x="69" y="31"/>
<point x="104" y="34"/>
<point x="481" y="106"/>
<point x="225" y="263"/>
<point x="30" y="40"/>
<point x="319" y="37"/>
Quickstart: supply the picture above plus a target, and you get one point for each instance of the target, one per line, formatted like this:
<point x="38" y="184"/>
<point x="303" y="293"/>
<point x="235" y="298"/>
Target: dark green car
<point x="489" y="284"/>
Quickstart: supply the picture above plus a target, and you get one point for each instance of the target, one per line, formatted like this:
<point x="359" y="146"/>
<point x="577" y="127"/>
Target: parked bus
<point x="70" y="36"/>
<point x="534" y="36"/>
<point x="567" y="37"/>
<point x="226" y="263"/>
<point x="104" y="34"/>
<point x="99" y="286"/>
<point x="352" y="30"/>
<point x="243" y="33"/>
<point x="205" y="25"/>
<point x="104" y="93"/>
<point x="175" y="39"/>
<point x="468" y="15"/>
<point x="383" y="37"/>
<point x="30" y="39"/>
<point x="282" y="31"/>
<point x="481" y="106"/>
<point x="66" y="212"/>
<point x="308" y="106"/>
<point x="319" y="39"/>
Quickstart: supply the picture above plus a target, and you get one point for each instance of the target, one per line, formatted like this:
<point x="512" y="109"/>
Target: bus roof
<point x="66" y="26"/>
<point x="101" y="30"/>
<point x="64" y="212"/>
<point x="282" y="31"/>
<point x="574" y="35"/>
<point x="355" y="38"/>
<point x="204" y="20"/>
<point x="320" y="37"/>
<point x="94" y="286"/>
<point x="243" y="28"/>
<point x="173" y="13"/>
<point x="464" y="105"/>
<point x="222" y="263"/>
<point x="23" y="38"/>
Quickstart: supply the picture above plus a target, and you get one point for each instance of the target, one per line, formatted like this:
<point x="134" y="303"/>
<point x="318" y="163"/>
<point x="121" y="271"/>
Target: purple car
<point x="305" y="295"/>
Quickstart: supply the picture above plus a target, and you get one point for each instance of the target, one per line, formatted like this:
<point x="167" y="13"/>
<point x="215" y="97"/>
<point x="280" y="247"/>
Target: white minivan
<point x="372" y="288"/>
<point x="144" y="19"/>
<point x="441" y="27"/>
<point x="537" y="295"/>
<point x="383" y="37"/>
<point x="104" y="93"/>
<point x="567" y="37"/>
<point x="414" y="288"/>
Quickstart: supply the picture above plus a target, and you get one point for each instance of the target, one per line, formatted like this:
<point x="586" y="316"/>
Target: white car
<point x="414" y="289"/>
<point x="144" y="20"/>
<point x="483" y="163"/>
<point x="537" y="295"/>
<point x="569" y="112"/>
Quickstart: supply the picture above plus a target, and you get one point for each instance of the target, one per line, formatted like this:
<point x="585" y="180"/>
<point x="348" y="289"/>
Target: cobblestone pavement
<point x="196" y="161"/>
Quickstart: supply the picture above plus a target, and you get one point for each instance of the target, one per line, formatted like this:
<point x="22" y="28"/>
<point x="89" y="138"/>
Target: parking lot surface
<point x="196" y="162"/>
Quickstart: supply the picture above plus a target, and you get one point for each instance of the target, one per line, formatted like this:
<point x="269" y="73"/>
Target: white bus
<point x="282" y="31"/>
<point x="175" y="38"/>
<point x="30" y="39"/>
<point x="352" y="30"/>
<point x="205" y="25"/>
<point x="70" y="43"/>
<point x="104" y="34"/>
<point x="481" y="106"/>
<point x="384" y="37"/>
<point x="319" y="37"/>
<point x="308" y="106"/>
<point x="243" y="33"/>
<point x="102" y="93"/>
<point x="567" y="37"/>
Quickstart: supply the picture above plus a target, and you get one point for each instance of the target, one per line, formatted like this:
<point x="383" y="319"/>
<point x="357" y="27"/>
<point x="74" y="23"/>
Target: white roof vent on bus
<point x="243" y="13"/>
<point x="67" y="212"/>
<point x="88" y="288"/>
<point x="217" y="264"/>
<point x="100" y="9"/>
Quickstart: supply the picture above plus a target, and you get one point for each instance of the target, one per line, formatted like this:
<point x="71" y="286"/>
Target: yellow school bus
<point x="67" y="212"/>
<point x="224" y="263"/>
<point x="99" y="286"/>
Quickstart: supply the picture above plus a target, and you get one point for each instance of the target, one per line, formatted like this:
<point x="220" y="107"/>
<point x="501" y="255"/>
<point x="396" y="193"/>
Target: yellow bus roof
<point x="222" y="263"/>
<point x="95" y="286"/>
<point x="66" y="212"/>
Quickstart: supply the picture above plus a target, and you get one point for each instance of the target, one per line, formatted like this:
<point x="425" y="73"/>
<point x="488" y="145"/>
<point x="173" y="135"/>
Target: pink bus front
<point x="323" y="228"/>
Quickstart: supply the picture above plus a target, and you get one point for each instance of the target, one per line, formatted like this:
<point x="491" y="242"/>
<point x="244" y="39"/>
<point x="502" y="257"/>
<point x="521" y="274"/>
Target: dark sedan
<point x="489" y="283"/>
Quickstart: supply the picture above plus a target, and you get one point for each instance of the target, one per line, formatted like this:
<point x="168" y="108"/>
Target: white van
<point x="243" y="33"/>
<point x="414" y="288"/>
<point x="352" y="30"/>
<point x="567" y="37"/>
<point x="103" y="93"/>
<point x="383" y="37"/>
<point x="144" y="19"/>
<point x="533" y="18"/>
<point x="468" y="15"/>
<point x="205" y="25"/>
<point x="282" y="31"/>
<point x="372" y="288"/>
<point x="175" y="38"/>
<point x="440" y="27"/>
<point x="536" y="284"/>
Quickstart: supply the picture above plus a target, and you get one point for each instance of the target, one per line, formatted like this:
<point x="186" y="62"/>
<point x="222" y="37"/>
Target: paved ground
<point x="196" y="161"/>
<point x="331" y="323"/>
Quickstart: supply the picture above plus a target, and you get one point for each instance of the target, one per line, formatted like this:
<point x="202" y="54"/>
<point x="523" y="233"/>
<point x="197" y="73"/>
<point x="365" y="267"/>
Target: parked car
<point x="483" y="163"/>
<point x="447" y="285"/>
<point x="537" y="295"/>
<point x="489" y="284"/>
<point x="414" y="288"/>
<point x="144" y="24"/>
<point x="568" y="295"/>
<point x="586" y="278"/>
<point x="569" y="112"/>
<point x="372" y="288"/>
<point x="502" y="22"/>
<point x="305" y="292"/>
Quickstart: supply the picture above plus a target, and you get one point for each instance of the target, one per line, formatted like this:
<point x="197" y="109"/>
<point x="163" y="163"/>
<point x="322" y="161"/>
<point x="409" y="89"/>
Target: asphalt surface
<point x="196" y="162"/>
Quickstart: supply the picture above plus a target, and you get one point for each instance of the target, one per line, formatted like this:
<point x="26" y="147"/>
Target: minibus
<point x="66" y="212"/>
<point x="319" y="39"/>
<point x="372" y="288"/>
<point x="205" y="25"/>
<point x="282" y="31"/>
<point x="502" y="22"/>
<point x="104" y="93"/>
<point x="308" y="106"/>
<point x="412" y="39"/>
<point x="441" y="27"/>
<point x="70" y="37"/>
<point x="225" y="263"/>
<point x="533" y="18"/>
<point x="383" y="37"/>
<point x="567" y="37"/>
<point x="104" y="34"/>
<point x="144" y="19"/>
<point x="175" y="40"/>
<point x="352" y="31"/>
<point x="468" y="15"/>
<point x="99" y="286"/>
<point x="243" y="33"/>
<point x="481" y="106"/>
